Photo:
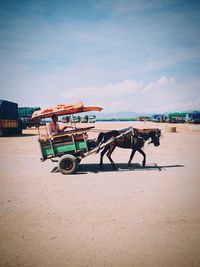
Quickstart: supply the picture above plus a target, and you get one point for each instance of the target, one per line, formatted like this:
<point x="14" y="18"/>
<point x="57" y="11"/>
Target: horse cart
<point x="69" y="148"/>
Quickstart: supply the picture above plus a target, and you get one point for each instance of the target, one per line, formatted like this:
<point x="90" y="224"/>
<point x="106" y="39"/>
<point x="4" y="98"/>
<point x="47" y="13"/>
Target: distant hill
<point x="125" y="115"/>
<point x="121" y="115"/>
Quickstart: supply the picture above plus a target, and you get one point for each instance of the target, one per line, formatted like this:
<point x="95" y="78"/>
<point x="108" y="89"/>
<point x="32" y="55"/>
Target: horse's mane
<point x="146" y="133"/>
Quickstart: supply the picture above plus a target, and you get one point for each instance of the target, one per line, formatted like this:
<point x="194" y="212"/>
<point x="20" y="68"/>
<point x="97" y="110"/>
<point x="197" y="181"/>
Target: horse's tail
<point x="100" y="138"/>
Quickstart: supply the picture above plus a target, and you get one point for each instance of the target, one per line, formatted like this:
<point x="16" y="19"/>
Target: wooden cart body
<point x="69" y="143"/>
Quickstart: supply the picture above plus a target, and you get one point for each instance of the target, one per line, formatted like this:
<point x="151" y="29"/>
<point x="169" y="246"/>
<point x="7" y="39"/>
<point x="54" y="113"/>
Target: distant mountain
<point x="126" y="115"/>
<point x="122" y="115"/>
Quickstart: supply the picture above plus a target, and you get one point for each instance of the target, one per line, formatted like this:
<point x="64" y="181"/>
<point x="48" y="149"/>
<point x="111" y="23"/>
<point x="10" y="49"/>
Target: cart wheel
<point x="68" y="164"/>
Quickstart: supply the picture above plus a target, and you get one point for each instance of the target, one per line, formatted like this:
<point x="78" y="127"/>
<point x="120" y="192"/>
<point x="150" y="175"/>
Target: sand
<point x="130" y="217"/>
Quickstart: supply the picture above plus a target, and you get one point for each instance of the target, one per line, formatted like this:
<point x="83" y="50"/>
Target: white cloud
<point x="126" y="87"/>
<point x="162" y="82"/>
<point x="127" y="95"/>
<point x="183" y="106"/>
<point x="174" y="107"/>
<point x="123" y="88"/>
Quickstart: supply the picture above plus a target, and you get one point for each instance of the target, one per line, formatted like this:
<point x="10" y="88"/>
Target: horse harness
<point x="134" y="137"/>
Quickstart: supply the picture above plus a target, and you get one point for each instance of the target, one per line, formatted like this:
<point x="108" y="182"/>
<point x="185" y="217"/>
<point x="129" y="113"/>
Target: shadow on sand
<point x="121" y="167"/>
<point x="26" y="134"/>
<point x="19" y="135"/>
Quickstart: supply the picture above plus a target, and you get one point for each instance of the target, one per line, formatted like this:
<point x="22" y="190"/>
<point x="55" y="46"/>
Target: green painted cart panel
<point x="66" y="148"/>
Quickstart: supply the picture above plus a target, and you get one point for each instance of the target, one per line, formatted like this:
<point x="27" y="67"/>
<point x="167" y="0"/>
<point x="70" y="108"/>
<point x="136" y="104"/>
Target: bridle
<point x="156" y="138"/>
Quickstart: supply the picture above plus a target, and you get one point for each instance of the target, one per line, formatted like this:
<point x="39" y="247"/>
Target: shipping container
<point x="91" y="118"/>
<point x="25" y="114"/>
<point x="8" y="110"/>
<point x="157" y="118"/>
<point x="9" y="122"/>
<point x="193" y="117"/>
<point x="84" y="119"/>
<point x="26" y="111"/>
<point x="144" y="118"/>
<point x="176" y="117"/>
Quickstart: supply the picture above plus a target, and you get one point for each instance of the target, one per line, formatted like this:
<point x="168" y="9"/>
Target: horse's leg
<point x="131" y="157"/>
<point x="144" y="156"/>
<point x="110" y="151"/>
<point x="102" y="154"/>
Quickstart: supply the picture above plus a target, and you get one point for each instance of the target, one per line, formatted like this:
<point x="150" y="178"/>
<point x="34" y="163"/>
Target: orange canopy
<point x="63" y="109"/>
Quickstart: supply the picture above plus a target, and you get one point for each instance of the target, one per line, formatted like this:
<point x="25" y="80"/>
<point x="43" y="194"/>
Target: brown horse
<point x="134" y="140"/>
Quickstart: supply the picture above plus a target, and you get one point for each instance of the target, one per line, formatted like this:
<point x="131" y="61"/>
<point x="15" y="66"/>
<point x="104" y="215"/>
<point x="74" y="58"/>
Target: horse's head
<point x="155" y="137"/>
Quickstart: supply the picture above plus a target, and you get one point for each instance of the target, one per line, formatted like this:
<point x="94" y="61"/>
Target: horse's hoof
<point x="143" y="164"/>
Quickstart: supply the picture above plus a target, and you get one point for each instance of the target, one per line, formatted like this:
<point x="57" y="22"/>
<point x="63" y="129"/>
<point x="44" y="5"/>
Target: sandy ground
<point x="139" y="217"/>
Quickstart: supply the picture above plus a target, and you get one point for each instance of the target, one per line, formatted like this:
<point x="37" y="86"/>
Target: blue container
<point x="26" y="111"/>
<point x="8" y="110"/>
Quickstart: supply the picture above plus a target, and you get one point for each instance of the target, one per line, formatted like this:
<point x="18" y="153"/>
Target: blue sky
<point x="123" y="55"/>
